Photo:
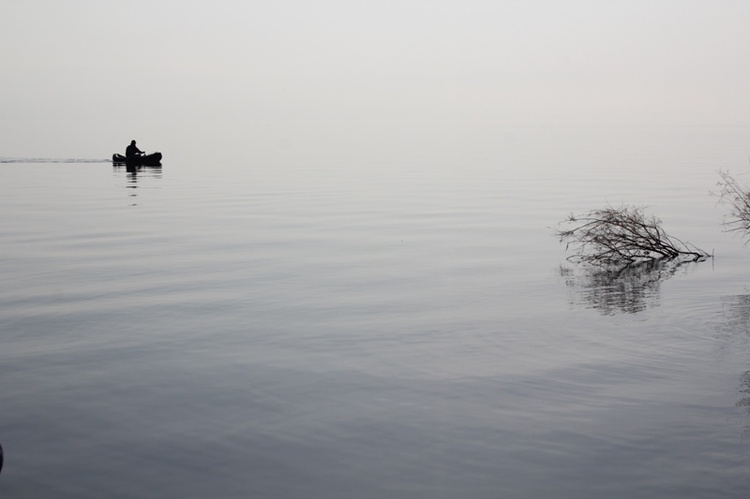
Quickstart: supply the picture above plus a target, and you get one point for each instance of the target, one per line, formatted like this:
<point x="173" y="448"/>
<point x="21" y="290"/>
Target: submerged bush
<point x="738" y="198"/>
<point x="621" y="237"/>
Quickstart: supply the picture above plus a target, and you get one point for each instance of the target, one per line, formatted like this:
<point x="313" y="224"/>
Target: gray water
<point x="383" y="322"/>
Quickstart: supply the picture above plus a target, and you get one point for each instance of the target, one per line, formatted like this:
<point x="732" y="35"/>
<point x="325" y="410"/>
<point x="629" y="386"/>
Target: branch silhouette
<point x="738" y="198"/>
<point x="622" y="237"/>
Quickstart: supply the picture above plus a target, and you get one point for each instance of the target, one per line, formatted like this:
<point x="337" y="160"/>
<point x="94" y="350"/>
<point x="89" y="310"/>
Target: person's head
<point x="132" y="142"/>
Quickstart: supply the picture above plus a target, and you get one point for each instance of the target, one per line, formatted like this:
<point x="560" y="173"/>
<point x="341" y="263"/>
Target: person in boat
<point x="132" y="150"/>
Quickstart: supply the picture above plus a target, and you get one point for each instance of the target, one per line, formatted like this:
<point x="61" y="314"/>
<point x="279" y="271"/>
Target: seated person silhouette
<point x="132" y="151"/>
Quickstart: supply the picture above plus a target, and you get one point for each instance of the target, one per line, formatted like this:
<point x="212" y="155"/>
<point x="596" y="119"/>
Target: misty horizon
<point x="83" y="77"/>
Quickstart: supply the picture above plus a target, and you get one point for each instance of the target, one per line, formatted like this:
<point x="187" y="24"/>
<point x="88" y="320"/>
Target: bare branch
<point x="738" y="198"/>
<point x="620" y="237"/>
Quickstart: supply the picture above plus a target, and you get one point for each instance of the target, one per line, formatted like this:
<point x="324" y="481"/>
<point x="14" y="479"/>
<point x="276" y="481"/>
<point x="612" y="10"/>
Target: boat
<point x="153" y="159"/>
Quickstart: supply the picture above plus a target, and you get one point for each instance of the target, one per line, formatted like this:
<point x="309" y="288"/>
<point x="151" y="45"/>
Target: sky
<point x="80" y="77"/>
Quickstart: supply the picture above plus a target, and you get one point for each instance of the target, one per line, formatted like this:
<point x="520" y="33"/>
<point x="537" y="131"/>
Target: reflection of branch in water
<point x="734" y="328"/>
<point x="628" y="290"/>
<point x="737" y="314"/>
<point x="744" y="402"/>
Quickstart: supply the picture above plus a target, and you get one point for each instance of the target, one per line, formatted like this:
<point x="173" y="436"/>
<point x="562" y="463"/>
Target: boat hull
<point x="153" y="159"/>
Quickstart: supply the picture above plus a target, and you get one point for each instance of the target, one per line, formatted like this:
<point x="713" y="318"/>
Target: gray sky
<point x="80" y="74"/>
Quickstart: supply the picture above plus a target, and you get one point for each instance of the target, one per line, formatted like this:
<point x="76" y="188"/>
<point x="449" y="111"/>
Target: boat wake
<point x="53" y="160"/>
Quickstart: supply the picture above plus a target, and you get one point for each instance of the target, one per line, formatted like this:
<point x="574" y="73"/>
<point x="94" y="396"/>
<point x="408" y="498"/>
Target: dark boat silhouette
<point x="153" y="159"/>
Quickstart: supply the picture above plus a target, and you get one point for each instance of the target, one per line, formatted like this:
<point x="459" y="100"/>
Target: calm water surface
<point x="375" y="325"/>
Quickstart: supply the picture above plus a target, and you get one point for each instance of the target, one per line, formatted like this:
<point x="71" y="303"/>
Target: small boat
<point x="153" y="159"/>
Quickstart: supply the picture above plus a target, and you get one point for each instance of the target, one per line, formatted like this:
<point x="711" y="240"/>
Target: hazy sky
<point x="79" y="75"/>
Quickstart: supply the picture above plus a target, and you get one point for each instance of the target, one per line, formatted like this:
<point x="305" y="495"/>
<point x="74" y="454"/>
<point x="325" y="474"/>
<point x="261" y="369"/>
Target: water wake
<point x="53" y="160"/>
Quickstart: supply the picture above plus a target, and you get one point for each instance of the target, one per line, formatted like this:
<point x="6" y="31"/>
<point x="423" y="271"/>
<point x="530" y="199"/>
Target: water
<point x="383" y="322"/>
